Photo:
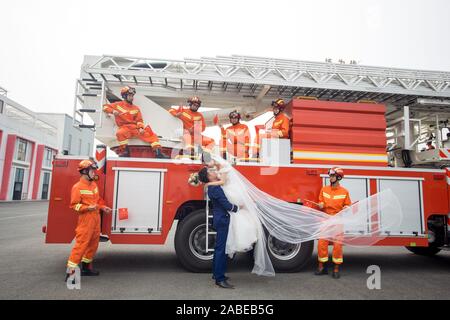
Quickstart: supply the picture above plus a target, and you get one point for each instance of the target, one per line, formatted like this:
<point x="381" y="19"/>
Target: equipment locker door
<point x="409" y="194"/>
<point x="141" y="192"/>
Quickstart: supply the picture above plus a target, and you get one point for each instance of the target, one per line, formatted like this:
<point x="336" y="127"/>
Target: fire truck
<point x="372" y="121"/>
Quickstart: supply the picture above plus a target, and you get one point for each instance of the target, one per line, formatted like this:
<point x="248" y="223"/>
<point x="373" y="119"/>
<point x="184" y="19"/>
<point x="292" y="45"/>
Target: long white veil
<point x="357" y="225"/>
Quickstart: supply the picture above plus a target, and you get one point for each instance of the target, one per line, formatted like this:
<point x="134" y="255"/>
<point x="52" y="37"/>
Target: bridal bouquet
<point x="193" y="179"/>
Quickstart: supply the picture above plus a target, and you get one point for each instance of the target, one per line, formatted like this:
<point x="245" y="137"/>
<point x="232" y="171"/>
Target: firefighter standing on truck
<point x="332" y="199"/>
<point x="86" y="202"/>
<point x="281" y="123"/>
<point x="235" y="139"/>
<point x="280" y="126"/>
<point x="193" y="126"/>
<point x="128" y="118"/>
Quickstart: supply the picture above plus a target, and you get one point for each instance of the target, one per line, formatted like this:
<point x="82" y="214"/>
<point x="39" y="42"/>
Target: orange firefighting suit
<point x="236" y="141"/>
<point x="280" y="126"/>
<point x="193" y="126"/>
<point x="129" y="120"/>
<point x="87" y="234"/>
<point x="334" y="199"/>
<point x="280" y="129"/>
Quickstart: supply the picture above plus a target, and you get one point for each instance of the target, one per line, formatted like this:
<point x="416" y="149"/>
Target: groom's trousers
<point x="220" y="257"/>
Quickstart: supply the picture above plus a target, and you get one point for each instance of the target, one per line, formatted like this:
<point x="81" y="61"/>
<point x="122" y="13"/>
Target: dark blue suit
<point x="221" y="221"/>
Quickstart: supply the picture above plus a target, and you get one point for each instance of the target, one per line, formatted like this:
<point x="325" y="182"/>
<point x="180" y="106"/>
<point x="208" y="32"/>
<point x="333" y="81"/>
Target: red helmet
<point x="235" y="114"/>
<point x="86" y="164"/>
<point x="194" y="100"/>
<point x="339" y="172"/>
<point x="279" y="103"/>
<point x="127" y="90"/>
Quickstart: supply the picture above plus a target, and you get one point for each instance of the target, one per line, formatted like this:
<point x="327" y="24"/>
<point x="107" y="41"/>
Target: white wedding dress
<point x="261" y="214"/>
<point x="243" y="230"/>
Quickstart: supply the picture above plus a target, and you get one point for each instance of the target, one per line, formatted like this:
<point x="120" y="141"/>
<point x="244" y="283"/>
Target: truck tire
<point x="288" y="257"/>
<point x="424" y="251"/>
<point x="190" y="243"/>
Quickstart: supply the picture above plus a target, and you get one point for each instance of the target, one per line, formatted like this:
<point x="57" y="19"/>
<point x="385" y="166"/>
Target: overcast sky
<point x="43" y="42"/>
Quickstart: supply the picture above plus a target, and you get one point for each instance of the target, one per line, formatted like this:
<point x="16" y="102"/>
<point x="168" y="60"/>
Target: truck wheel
<point x="190" y="243"/>
<point x="424" y="251"/>
<point x="435" y="240"/>
<point x="287" y="257"/>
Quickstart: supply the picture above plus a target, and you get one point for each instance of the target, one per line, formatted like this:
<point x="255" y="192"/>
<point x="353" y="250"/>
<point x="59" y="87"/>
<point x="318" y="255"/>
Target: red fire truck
<point x="377" y="144"/>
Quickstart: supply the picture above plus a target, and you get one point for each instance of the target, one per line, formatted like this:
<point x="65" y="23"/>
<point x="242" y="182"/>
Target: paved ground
<point x="30" y="269"/>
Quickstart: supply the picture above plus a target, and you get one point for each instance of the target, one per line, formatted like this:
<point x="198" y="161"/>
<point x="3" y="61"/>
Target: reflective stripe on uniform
<point x="326" y="195"/>
<point x="155" y="144"/>
<point x="86" y="260"/>
<point x="87" y="192"/>
<point x="343" y="196"/>
<point x="121" y="109"/>
<point x="70" y="264"/>
<point x="323" y="259"/>
<point x="187" y="115"/>
<point x="78" y="206"/>
<point x="121" y="143"/>
<point x="134" y="111"/>
<point x="338" y="260"/>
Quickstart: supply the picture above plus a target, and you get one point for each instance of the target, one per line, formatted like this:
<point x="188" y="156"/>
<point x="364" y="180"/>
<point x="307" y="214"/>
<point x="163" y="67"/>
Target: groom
<point x="221" y="221"/>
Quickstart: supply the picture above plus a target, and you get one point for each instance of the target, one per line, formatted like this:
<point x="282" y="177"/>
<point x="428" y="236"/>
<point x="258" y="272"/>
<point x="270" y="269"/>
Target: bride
<point x="261" y="214"/>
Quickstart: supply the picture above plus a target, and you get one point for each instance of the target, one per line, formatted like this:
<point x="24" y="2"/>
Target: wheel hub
<point x="197" y="243"/>
<point x="282" y="250"/>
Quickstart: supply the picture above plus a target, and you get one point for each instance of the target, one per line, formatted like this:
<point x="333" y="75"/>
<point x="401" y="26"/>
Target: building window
<point x="79" y="147"/>
<point x="2" y="103"/>
<point x="89" y="149"/>
<point x="18" y="184"/>
<point x="69" y="144"/>
<point x="48" y="154"/>
<point x="45" y="185"/>
<point x="21" y="150"/>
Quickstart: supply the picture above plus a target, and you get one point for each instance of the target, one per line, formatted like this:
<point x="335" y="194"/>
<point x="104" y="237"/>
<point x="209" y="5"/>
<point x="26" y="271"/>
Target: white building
<point x="28" y="142"/>
<point x="74" y="141"/>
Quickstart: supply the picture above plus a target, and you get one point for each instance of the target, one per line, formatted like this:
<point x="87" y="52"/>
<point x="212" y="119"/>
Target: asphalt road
<point x="31" y="269"/>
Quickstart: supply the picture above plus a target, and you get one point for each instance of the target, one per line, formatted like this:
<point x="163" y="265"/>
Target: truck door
<point x="141" y="192"/>
<point x="410" y="195"/>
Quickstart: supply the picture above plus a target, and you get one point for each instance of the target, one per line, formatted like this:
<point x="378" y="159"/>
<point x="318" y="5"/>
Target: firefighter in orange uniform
<point x="281" y="123"/>
<point x="193" y="126"/>
<point x="85" y="200"/>
<point x="235" y="139"/>
<point x="332" y="199"/>
<point x="128" y="118"/>
<point x="280" y="127"/>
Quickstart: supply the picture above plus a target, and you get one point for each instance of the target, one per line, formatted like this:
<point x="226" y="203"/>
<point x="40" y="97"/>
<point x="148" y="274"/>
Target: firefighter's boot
<point x="336" y="274"/>
<point x="189" y="152"/>
<point x="87" y="270"/>
<point x="321" y="269"/>
<point x="159" y="154"/>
